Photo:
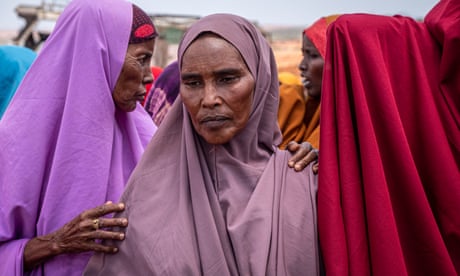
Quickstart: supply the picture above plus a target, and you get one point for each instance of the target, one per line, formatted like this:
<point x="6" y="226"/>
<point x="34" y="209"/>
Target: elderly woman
<point x="230" y="205"/>
<point x="71" y="137"/>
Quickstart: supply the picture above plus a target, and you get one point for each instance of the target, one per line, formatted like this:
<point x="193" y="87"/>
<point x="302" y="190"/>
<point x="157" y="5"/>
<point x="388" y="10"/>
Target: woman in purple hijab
<point x="71" y="137"/>
<point x="223" y="201"/>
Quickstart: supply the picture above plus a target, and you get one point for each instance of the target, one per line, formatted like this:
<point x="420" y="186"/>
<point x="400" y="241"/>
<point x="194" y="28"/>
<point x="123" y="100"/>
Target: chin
<point x="216" y="141"/>
<point x="213" y="140"/>
<point x="125" y="108"/>
<point x="314" y="95"/>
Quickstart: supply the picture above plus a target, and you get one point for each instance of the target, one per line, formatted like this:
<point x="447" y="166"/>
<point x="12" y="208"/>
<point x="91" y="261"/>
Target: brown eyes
<point x="144" y="60"/>
<point x="197" y="83"/>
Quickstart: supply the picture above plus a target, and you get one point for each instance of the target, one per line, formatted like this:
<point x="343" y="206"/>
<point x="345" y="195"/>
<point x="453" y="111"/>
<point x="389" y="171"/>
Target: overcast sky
<point x="265" y="12"/>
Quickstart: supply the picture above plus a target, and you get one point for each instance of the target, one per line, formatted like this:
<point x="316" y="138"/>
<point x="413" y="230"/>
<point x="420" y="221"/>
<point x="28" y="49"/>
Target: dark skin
<point x="311" y="68"/>
<point x="304" y="154"/>
<point x="311" y="71"/>
<point x="212" y="86"/>
<point x="83" y="232"/>
<point x="78" y="235"/>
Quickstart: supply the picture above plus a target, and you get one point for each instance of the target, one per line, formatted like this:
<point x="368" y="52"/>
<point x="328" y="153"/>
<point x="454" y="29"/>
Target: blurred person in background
<point x="14" y="63"/>
<point x="163" y="93"/>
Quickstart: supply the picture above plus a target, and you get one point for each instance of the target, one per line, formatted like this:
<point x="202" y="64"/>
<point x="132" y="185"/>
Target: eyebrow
<point x="224" y="71"/>
<point x="228" y="71"/>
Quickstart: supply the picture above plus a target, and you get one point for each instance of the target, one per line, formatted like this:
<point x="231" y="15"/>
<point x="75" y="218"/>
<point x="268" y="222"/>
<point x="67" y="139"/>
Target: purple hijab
<point x="231" y="209"/>
<point x="64" y="147"/>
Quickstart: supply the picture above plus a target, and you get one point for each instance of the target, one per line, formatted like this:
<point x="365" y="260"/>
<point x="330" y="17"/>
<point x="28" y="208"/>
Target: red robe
<point x="389" y="180"/>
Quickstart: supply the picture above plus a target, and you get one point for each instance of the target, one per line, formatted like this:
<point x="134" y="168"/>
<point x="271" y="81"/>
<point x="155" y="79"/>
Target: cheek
<point x="191" y="101"/>
<point x="130" y="80"/>
<point x="242" y="107"/>
<point x="317" y="69"/>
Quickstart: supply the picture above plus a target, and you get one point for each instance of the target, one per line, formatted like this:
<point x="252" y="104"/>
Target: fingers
<point x="112" y="222"/>
<point x="301" y="152"/>
<point x="292" y="146"/>
<point x="96" y="224"/>
<point x="307" y="146"/>
<point x="315" y="168"/>
<point x="104" y="235"/>
<point x="91" y="241"/>
<point x="80" y="234"/>
<point x="103" y="210"/>
<point x="97" y="247"/>
<point x="311" y="156"/>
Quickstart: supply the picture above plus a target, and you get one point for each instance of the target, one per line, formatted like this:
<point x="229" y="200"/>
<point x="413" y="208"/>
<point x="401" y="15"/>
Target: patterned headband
<point x="142" y="28"/>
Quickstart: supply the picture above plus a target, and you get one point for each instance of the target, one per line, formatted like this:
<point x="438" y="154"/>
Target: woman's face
<point x="216" y="88"/>
<point x="311" y="68"/>
<point x="135" y="74"/>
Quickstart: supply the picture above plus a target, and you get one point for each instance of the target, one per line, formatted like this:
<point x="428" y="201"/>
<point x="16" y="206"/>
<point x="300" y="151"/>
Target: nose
<point x="303" y="65"/>
<point x="211" y="97"/>
<point x="147" y="75"/>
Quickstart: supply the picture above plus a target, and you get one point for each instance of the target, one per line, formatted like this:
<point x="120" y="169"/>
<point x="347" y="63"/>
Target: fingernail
<point x="108" y="202"/>
<point x="115" y="250"/>
<point x="124" y="222"/>
<point x="121" y="205"/>
<point x="122" y="236"/>
<point x="291" y="163"/>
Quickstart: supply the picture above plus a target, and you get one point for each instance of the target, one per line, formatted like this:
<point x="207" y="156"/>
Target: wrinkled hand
<point x="304" y="154"/>
<point x="83" y="232"/>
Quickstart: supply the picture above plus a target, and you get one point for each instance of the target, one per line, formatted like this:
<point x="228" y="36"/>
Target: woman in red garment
<point x="389" y="183"/>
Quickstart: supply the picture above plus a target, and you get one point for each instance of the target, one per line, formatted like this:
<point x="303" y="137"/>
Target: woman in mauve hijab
<point x="231" y="206"/>
<point x="71" y="137"/>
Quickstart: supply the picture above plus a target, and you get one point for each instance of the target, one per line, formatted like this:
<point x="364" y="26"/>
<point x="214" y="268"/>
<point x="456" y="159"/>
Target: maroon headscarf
<point x="142" y="28"/>
<point x="231" y="209"/>
<point x="389" y="187"/>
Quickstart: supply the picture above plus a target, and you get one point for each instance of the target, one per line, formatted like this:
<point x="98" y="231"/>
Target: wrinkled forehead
<point x="234" y="30"/>
<point x="204" y="36"/>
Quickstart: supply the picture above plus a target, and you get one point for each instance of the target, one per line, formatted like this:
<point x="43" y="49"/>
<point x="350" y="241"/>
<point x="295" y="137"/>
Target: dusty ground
<point x="287" y="55"/>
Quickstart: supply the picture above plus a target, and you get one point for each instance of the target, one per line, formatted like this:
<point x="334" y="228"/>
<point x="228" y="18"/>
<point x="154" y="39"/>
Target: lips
<point x="214" y="121"/>
<point x="140" y="96"/>
<point x="306" y="82"/>
<point x="211" y="118"/>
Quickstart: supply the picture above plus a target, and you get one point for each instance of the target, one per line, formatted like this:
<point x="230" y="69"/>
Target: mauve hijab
<point x="64" y="147"/>
<point x="231" y="209"/>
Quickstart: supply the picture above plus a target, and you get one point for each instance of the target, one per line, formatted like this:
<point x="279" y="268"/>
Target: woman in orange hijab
<point x="299" y="108"/>
<point x="311" y="71"/>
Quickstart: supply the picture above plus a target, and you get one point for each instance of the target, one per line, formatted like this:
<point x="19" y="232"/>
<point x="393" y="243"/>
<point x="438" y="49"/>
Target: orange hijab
<point x="291" y="110"/>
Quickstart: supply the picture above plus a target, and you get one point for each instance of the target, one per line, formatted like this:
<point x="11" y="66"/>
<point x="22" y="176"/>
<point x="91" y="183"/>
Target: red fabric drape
<point x="389" y="181"/>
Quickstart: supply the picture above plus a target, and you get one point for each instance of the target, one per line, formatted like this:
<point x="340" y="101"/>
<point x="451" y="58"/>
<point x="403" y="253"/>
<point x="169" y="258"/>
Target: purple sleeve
<point x="11" y="254"/>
